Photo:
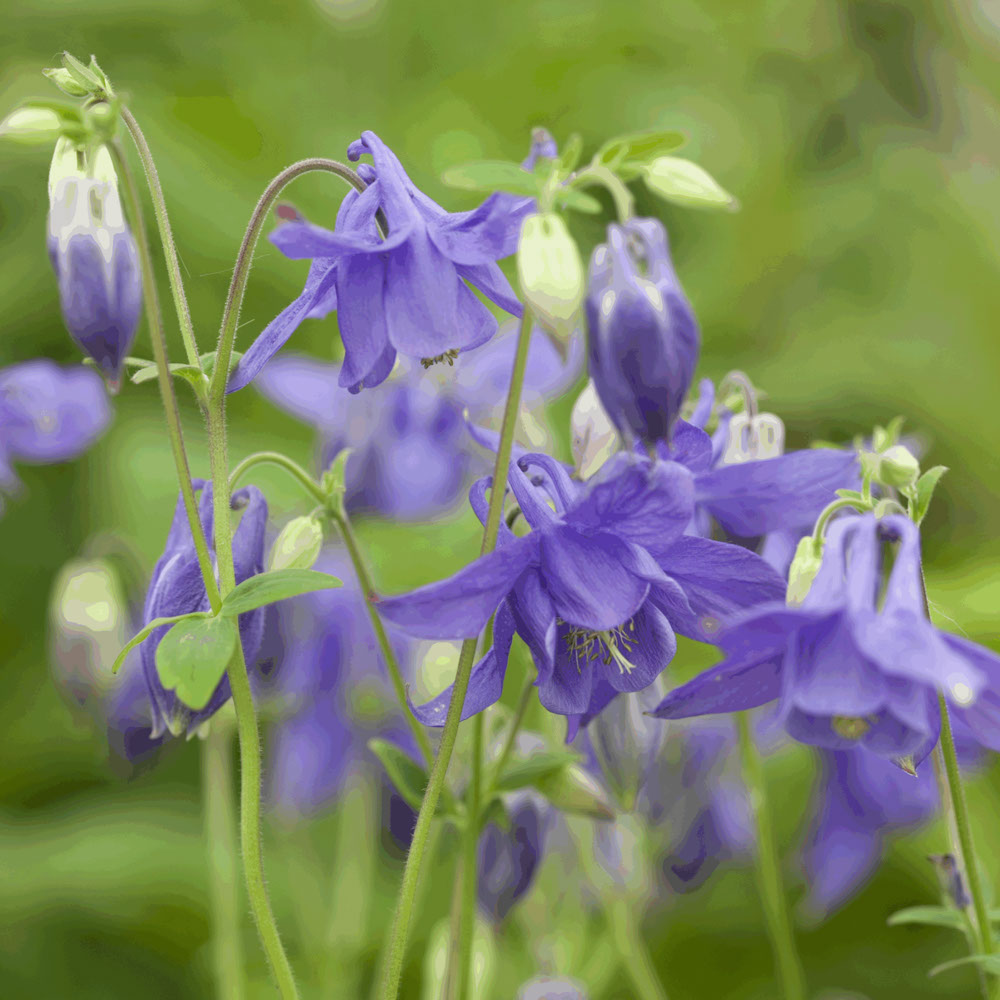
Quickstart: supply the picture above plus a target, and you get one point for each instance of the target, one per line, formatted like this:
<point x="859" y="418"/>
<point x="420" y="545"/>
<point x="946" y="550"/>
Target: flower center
<point x="850" y="727"/>
<point x="611" y="645"/>
<point x="448" y="356"/>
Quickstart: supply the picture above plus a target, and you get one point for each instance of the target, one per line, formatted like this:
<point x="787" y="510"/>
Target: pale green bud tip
<point x="686" y="183"/>
<point x="898" y="467"/>
<point x="298" y="544"/>
<point x="594" y="438"/>
<point x="30" y="126"/>
<point x="803" y="571"/>
<point x="549" y="269"/>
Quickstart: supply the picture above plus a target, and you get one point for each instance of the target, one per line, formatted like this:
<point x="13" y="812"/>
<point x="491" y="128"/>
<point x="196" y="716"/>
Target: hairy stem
<point x="779" y="924"/>
<point x="219" y="810"/>
<point x="283" y="461"/>
<point x="166" y="237"/>
<point x="393" y="968"/>
<point x="175" y="431"/>
<point x="470" y="869"/>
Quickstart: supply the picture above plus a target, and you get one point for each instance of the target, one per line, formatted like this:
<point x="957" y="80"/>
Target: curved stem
<point x="388" y="653"/>
<point x="616" y="187"/>
<point x="166" y="237"/>
<point x="779" y="924"/>
<point x="219" y="810"/>
<point x="156" y="333"/>
<point x="276" y="458"/>
<point x="241" y="273"/>
<point x="636" y="962"/>
<point x="411" y="873"/>
<point x="470" y="868"/>
<point x="827" y="512"/>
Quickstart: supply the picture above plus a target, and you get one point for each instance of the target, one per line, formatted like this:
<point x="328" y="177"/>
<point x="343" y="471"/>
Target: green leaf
<point x="988" y="963"/>
<point x="189" y="372"/>
<point x="83" y="75"/>
<point x="580" y="201"/>
<point x="531" y="770"/>
<point x="935" y="916"/>
<point x="492" y="175"/>
<point x="849" y="494"/>
<point x="266" y="588"/>
<point x="192" y="657"/>
<point x="569" y="155"/>
<point x="638" y="147"/>
<point x="926" y="485"/>
<point x="147" y="630"/>
<point x="409" y="777"/>
<point x="686" y="183"/>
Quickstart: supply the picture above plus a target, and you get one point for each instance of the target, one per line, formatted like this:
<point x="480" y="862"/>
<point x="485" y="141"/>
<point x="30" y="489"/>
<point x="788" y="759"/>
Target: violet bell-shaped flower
<point x="177" y="588"/>
<point x="94" y="256"/>
<point x="848" y="673"/>
<point x="596" y="589"/>
<point x="48" y="414"/>
<point x="642" y="332"/>
<point x="407" y="291"/>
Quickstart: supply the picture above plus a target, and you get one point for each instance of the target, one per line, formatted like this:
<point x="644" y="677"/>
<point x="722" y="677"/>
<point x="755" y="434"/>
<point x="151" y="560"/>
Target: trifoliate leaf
<point x="638" y="147"/>
<point x="192" y="657"/>
<point x="492" y="175"/>
<point x="147" y="630"/>
<point x="266" y="588"/>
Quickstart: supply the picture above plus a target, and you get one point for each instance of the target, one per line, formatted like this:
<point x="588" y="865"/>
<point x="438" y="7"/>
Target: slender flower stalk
<point x="219" y="805"/>
<point x="779" y="924"/>
<point x="637" y="963"/>
<point x="166" y="237"/>
<point x="158" y="338"/>
<point x="361" y="571"/>
<point x="470" y="842"/>
<point x="393" y="967"/>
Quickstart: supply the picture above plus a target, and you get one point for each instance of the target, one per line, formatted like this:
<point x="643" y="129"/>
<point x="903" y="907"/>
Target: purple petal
<point x="566" y="690"/>
<point x="360" y="290"/>
<point x="307" y="389"/>
<point x="983" y="716"/>
<point x="536" y="620"/>
<point x="484" y="235"/>
<point x="492" y="282"/>
<point x="651" y="645"/>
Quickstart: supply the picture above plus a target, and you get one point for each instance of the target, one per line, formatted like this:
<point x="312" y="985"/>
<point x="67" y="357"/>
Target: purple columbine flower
<point x="177" y="588"/>
<point x="643" y="335"/>
<point x="408" y="292"/>
<point x="848" y="673"/>
<point x="509" y="858"/>
<point x="48" y="414"/>
<point x="597" y="589"/>
<point x="412" y="456"/>
<point x="94" y="256"/>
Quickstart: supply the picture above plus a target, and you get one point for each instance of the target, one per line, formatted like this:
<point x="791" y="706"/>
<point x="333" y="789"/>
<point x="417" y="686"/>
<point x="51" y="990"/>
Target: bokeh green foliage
<point x="857" y="282"/>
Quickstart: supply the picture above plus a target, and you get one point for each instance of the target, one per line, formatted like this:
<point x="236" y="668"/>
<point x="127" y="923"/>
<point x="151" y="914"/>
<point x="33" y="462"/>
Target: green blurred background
<point x="859" y="281"/>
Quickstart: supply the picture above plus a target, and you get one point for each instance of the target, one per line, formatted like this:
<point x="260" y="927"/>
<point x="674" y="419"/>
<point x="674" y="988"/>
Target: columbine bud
<point x="803" y="571"/>
<point x="298" y="544"/>
<point x="898" y="467"/>
<point x="549" y="269"/>
<point x="686" y="183"/>
<point x="627" y="741"/>
<point x="594" y="437"/>
<point x="753" y="438"/>
<point x="643" y="335"/>
<point x="573" y="790"/>
<point x="94" y="256"/>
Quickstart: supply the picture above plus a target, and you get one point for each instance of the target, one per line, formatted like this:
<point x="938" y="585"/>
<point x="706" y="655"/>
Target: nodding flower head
<point x="94" y="256"/>
<point x="644" y="340"/>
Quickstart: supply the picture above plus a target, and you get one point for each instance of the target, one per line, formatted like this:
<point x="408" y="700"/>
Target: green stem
<point x="779" y="924"/>
<point x="219" y="810"/>
<point x="470" y="869"/>
<point x="393" y="969"/>
<point x="963" y="829"/>
<point x="388" y="653"/>
<point x="636" y="960"/>
<point x="827" y="512"/>
<point x="166" y="237"/>
<point x="276" y="458"/>
<point x="157" y="336"/>
<point x="244" y="260"/>
<point x="616" y="187"/>
<point x="515" y="724"/>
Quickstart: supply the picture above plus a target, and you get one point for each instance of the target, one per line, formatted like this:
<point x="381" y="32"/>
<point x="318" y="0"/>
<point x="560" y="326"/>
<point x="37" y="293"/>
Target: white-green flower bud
<point x="751" y="439"/>
<point x="685" y="183"/>
<point x="594" y="438"/>
<point x="550" y="270"/>
<point x="897" y="466"/>
<point x="298" y="544"/>
<point x="803" y="571"/>
<point x="31" y="126"/>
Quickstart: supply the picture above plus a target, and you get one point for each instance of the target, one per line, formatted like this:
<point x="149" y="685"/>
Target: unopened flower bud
<point x="30" y="126"/>
<point x="803" y="571"/>
<point x="594" y="438"/>
<point x="754" y="438"/>
<point x="897" y="466"/>
<point x="297" y="545"/>
<point x="686" y="183"/>
<point x="642" y="333"/>
<point x="549" y="269"/>
<point x="573" y="790"/>
<point x="94" y="256"/>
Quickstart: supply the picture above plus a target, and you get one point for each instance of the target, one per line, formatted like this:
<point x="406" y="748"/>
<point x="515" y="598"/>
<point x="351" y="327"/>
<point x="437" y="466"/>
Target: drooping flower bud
<point x="594" y="438"/>
<point x="94" y="256"/>
<point x="803" y="570"/>
<point x="898" y="467"/>
<point x="643" y="335"/>
<point x="549" y="269"/>
<point x="297" y="545"/>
